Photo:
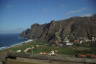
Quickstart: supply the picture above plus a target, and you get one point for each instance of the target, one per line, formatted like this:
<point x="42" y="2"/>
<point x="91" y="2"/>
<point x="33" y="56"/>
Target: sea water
<point x="7" y="40"/>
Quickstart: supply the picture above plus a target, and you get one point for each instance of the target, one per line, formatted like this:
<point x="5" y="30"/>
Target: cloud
<point x="76" y="11"/>
<point x="89" y="14"/>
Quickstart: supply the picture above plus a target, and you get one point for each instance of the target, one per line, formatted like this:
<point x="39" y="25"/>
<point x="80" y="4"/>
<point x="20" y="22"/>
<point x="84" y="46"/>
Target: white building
<point x="18" y="51"/>
<point x="52" y="53"/>
<point x="69" y="44"/>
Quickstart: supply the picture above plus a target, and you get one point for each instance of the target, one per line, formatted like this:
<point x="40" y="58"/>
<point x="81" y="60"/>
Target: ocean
<point x="7" y="40"/>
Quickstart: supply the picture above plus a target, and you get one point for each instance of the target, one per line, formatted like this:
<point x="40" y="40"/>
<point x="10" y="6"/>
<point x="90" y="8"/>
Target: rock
<point x="57" y="31"/>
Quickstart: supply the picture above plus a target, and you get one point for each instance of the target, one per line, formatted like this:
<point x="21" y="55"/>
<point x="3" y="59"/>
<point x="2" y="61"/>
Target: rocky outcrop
<point x="57" y="31"/>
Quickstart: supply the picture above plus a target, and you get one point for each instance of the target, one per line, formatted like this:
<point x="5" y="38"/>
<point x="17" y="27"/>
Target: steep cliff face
<point x="56" y="31"/>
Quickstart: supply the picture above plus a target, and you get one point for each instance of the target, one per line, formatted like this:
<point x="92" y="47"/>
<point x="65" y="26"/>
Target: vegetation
<point x="41" y="46"/>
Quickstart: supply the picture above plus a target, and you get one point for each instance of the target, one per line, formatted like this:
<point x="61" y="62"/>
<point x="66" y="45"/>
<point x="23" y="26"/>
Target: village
<point x="33" y="51"/>
<point x="78" y="51"/>
<point x="79" y="48"/>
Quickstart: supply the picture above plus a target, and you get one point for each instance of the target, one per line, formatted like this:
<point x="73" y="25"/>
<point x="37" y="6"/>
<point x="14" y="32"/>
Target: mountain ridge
<point x="57" y="31"/>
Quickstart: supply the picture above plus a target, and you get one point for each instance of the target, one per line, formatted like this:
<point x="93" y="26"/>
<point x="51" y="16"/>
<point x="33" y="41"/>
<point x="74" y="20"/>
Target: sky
<point x="18" y="15"/>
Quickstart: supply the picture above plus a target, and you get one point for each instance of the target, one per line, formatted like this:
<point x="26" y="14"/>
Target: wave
<point x="6" y="47"/>
<point x="2" y="48"/>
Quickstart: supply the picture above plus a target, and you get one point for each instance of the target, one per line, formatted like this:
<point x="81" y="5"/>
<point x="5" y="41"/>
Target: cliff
<point x="57" y="31"/>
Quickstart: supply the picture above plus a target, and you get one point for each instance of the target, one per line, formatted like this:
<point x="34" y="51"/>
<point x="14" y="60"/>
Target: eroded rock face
<point x="56" y="31"/>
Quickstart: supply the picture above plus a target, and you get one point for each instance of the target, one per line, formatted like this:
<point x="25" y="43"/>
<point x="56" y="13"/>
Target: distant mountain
<point x="57" y="31"/>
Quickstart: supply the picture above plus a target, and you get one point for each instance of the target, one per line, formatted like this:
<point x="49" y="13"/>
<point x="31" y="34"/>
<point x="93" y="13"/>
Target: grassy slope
<point x="44" y="47"/>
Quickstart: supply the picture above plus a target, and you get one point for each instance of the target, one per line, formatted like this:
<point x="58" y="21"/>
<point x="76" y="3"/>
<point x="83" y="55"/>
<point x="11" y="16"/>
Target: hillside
<point x="57" y="31"/>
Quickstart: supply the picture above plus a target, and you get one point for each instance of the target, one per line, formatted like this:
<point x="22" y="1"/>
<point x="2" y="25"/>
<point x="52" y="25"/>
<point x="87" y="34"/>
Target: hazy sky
<point x="17" y="15"/>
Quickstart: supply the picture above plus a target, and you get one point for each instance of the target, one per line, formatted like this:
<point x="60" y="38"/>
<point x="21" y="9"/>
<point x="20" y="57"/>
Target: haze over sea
<point x="7" y="40"/>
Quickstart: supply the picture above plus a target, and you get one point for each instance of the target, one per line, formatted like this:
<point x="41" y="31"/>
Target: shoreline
<point x="6" y="47"/>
